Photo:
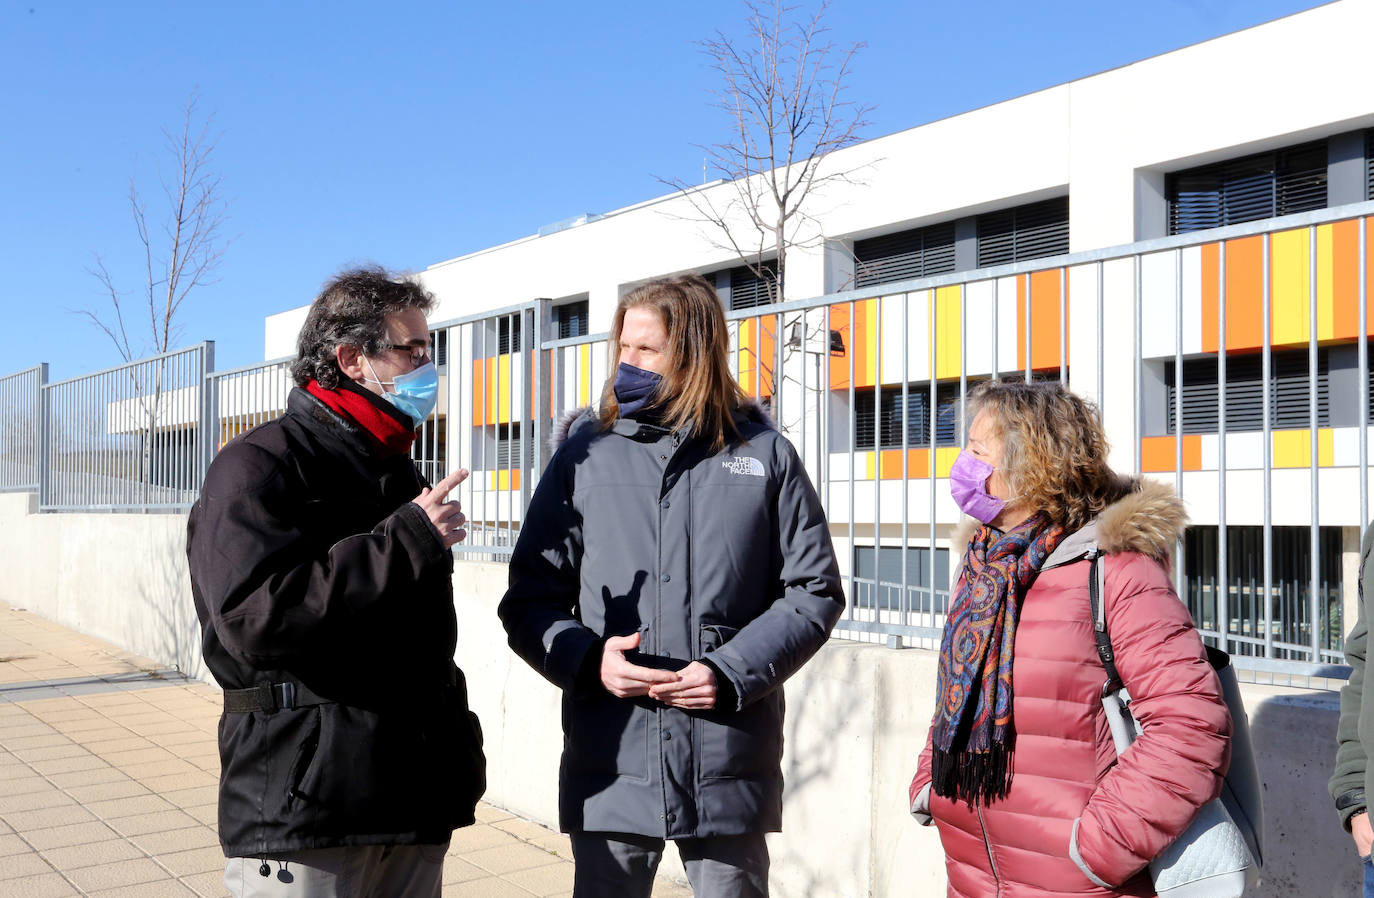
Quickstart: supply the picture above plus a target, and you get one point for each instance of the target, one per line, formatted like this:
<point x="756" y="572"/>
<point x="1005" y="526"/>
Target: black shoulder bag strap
<point x="1096" y="583"/>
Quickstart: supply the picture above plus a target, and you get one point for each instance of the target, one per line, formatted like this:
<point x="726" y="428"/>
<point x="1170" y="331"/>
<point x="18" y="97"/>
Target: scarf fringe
<point x="972" y="776"/>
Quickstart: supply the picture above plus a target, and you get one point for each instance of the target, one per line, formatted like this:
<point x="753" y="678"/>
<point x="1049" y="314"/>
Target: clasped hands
<point x="692" y="688"/>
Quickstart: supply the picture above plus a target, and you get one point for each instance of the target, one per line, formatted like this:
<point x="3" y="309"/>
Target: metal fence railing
<point x="21" y="404"/>
<point x="245" y="397"/>
<point x="129" y="438"/>
<point x="1232" y="364"/>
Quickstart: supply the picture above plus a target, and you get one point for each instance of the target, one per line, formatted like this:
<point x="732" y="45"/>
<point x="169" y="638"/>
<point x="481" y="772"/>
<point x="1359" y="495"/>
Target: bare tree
<point x="783" y="88"/>
<point x="182" y="248"/>
<point x="190" y="246"/>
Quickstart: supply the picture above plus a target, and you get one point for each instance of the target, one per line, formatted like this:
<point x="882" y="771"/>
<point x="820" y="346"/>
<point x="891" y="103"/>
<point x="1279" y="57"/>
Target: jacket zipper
<point x="987" y="846"/>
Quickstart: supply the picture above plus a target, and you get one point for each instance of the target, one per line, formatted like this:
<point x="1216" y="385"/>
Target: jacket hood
<point x="1148" y="519"/>
<point x="748" y="412"/>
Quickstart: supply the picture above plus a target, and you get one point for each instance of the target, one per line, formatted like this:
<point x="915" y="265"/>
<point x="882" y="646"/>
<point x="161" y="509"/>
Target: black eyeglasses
<point x="418" y="354"/>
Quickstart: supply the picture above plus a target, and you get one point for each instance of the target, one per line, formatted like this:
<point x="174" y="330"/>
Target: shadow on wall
<point x="827" y="765"/>
<point x="166" y="612"/>
<point x="1306" y="851"/>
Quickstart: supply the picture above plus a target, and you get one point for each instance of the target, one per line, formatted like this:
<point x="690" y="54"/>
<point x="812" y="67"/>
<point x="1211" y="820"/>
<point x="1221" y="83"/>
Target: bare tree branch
<point x="783" y="88"/>
<point x="191" y="244"/>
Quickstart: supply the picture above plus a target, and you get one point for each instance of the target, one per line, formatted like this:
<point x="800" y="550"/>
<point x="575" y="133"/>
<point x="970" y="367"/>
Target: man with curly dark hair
<point x="322" y="576"/>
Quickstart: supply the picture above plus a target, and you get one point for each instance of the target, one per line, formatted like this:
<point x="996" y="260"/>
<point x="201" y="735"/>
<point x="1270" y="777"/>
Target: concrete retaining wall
<point x="857" y="715"/>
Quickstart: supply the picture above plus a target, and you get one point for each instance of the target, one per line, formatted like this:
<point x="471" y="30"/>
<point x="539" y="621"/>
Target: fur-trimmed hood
<point x="573" y="420"/>
<point x="1148" y="519"/>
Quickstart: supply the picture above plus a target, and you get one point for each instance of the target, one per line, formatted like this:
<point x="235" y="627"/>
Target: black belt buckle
<point x="284" y="694"/>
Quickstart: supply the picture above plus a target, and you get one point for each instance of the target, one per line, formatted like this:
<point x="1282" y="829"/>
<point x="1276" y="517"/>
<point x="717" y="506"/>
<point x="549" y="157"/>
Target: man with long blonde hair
<point x="673" y="570"/>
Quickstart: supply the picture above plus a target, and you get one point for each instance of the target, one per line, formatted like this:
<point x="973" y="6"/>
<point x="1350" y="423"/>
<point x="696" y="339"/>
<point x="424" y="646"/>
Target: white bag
<point x="1211" y="858"/>
<point x="1219" y="854"/>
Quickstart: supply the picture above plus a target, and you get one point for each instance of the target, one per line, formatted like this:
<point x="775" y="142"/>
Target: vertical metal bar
<point x="209" y="411"/>
<point x="877" y="458"/>
<point x="537" y="395"/>
<point x="1179" y="560"/>
<point x="1027" y="317"/>
<point x="1363" y="354"/>
<point x="805" y="397"/>
<point x="1318" y="615"/>
<point x="1266" y="433"/>
<point x="904" y="602"/>
<point x="823" y="425"/>
<point x="1101" y="335"/>
<point x="1063" y="326"/>
<point x="1223" y="588"/>
<point x="853" y="438"/>
<point x="44" y="441"/>
<point x="1137" y="375"/>
<point x="934" y="422"/>
<point x="481" y="429"/>
<point x="996" y="324"/>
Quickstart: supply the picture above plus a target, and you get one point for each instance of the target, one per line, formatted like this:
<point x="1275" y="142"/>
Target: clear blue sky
<point x="410" y="133"/>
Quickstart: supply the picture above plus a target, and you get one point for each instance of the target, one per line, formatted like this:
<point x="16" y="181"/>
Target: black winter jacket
<point x="723" y="556"/>
<point x="311" y="566"/>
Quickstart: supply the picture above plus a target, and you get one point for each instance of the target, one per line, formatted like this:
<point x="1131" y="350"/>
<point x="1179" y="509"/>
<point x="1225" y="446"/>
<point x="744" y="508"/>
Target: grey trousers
<point x="622" y="865"/>
<point x="355" y="871"/>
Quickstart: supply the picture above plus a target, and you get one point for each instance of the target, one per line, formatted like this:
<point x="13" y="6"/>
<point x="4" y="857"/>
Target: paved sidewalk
<point x="108" y="772"/>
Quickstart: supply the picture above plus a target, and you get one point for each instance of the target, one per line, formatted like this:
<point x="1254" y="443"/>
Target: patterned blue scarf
<point x="973" y="723"/>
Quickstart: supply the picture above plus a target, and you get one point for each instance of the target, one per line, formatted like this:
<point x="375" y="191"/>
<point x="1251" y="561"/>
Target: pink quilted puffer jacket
<point x="1077" y="821"/>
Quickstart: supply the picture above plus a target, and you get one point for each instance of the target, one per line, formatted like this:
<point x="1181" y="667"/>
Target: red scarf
<point x="394" y="437"/>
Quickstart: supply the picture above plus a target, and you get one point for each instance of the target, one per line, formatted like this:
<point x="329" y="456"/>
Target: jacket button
<point x="672" y="817"/>
<point x="667" y="737"/>
<point x="667" y="577"/>
<point x="666" y="503"/>
<point x="663" y="457"/>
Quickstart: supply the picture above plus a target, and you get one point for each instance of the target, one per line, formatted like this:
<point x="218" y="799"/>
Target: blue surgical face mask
<point x="416" y="392"/>
<point x="634" y="387"/>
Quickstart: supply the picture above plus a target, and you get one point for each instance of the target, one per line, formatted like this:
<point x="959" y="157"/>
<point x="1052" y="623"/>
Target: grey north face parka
<point x="723" y="556"/>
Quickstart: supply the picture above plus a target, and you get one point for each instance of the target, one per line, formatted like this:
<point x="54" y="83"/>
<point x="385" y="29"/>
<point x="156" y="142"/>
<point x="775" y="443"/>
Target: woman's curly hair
<point x="1054" y="450"/>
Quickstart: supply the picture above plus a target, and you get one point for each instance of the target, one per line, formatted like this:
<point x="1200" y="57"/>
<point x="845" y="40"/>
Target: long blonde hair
<point x="1054" y="450"/>
<point x="697" y="388"/>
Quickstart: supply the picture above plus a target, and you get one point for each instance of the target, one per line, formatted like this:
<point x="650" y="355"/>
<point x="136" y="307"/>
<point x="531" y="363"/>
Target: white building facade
<point x="1184" y="239"/>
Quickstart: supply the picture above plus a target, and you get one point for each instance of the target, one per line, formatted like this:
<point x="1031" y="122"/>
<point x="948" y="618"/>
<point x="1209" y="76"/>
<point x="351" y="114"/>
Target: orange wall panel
<point x="1345" y="279"/>
<point x="1044" y="319"/>
<point x="1245" y="293"/>
<point x="1157" y="454"/>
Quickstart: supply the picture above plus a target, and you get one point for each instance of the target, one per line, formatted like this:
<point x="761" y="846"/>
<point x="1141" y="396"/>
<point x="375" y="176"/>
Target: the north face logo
<point x="744" y="465"/>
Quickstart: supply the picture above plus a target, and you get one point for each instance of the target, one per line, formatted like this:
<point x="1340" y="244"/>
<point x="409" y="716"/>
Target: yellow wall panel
<point x="1290" y="278"/>
<point x="1292" y="448"/>
<point x="584" y="374"/>
<point x="948" y="332"/>
<point x="1326" y="283"/>
<point x="944" y="460"/>
<point x="1326" y="448"/>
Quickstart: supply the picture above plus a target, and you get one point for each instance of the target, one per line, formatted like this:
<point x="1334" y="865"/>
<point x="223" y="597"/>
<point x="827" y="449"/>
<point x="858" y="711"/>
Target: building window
<point x="1290" y="595"/>
<point x="907" y="254"/>
<point x="1369" y="164"/>
<point x="509" y="446"/>
<point x="438" y="340"/>
<point x="748" y="290"/>
<point x="878" y="579"/>
<point x="1025" y="232"/>
<point x="1264" y="185"/>
<point x="508" y="333"/>
<point x="887" y="425"/>
<point x="571" y="319"/>
<point x="1288" y="394"/>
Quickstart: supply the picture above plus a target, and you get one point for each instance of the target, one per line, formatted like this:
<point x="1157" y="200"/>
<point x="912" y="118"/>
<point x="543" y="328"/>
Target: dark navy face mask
<point x="634" y="388"/>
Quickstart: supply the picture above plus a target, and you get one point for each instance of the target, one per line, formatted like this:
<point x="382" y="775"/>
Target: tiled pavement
<point x="108" y="769"/>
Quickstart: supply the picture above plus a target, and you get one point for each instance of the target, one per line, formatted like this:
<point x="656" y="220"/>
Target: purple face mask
<point x="968" y="484"/>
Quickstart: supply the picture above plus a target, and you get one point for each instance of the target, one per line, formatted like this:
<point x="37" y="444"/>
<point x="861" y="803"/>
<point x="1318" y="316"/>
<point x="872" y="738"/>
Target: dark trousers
<point x="622" y="865"/>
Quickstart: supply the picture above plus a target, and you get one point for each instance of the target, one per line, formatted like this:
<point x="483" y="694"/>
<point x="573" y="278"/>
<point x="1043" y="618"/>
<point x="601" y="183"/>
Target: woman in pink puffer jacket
<point x="1019" y="773"/>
